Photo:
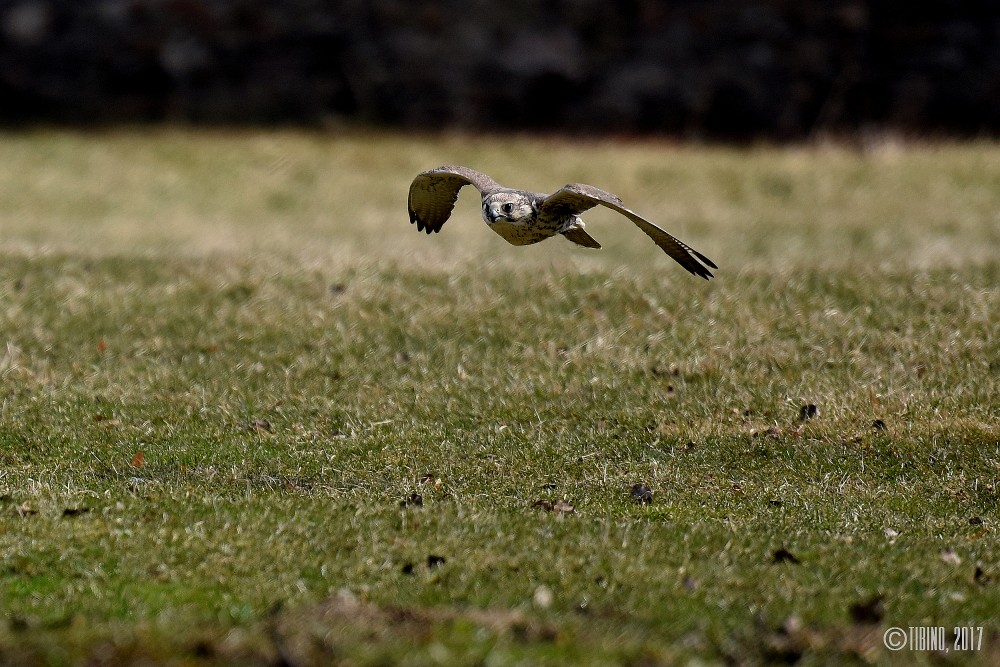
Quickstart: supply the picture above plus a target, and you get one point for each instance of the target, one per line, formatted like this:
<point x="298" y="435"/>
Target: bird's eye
<point x="507" y="208"/>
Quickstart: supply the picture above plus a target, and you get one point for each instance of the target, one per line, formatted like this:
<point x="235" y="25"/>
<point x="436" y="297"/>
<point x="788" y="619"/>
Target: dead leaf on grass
<point x="560" y="506"/>
<point x="867" y="612"/>
<point x="771" y="432"/>
<point x="75" y="511"/>
<point x="874" y="398"/>
<point x="101" y="419"/>
<point x="25" y="509"/>
<point x="642" y="494"/>
<point x="664" y="371"/>
<point x="950" y="557"/>
<point x="808" y="411"/>
<point x="783" y="555"/>
<point x="563" y="507"/>
<point x="138" y="460"/>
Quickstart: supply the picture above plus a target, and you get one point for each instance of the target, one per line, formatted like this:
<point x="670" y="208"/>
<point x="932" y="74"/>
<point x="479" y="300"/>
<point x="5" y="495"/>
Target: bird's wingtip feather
<point x="706" y="260"/>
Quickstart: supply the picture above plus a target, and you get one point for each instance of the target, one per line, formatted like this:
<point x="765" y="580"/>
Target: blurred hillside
<point x="709" y="69"/>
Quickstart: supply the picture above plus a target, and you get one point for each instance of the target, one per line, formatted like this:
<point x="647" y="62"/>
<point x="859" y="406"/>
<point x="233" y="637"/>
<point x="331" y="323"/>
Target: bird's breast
<point x="520" y="234"/>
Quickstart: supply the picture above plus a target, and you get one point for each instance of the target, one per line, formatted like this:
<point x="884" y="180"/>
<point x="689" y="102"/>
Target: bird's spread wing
<point x="576" y="198"/>
<point x="433" y="194"/>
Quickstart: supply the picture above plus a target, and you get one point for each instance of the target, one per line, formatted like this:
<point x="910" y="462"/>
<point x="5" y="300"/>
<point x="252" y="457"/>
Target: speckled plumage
<point x="523" y="217"/>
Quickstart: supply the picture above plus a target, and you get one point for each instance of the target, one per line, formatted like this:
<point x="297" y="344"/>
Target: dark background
<point x="715" y="69"/>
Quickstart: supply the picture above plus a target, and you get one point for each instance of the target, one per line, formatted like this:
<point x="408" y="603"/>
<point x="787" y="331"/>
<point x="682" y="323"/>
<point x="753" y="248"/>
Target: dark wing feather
<point x="576" y="198"/>
<point x="433" y="194"/>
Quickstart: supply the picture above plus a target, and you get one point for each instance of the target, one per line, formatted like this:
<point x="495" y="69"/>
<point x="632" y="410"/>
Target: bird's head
<point x="506" y="207"/>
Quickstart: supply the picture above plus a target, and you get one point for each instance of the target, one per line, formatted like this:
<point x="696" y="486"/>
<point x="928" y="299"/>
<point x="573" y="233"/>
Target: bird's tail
<point x="579" y="236"/>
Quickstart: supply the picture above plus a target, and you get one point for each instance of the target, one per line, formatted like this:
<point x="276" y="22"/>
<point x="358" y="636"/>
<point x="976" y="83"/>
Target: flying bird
<point x="523" y="217"/>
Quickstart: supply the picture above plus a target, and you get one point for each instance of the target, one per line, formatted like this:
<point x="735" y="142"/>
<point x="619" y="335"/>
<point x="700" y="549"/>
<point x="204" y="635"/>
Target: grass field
<point x="251" y="416"/>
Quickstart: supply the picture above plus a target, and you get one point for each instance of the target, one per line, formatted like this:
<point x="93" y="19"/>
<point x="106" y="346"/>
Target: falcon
<point x="523" y="217"/>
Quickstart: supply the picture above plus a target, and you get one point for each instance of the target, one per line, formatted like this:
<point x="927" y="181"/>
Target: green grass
<point x="254" y="314"/>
